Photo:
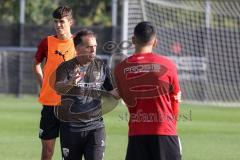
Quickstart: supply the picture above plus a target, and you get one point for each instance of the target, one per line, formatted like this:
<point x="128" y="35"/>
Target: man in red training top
<point x="54" y="50"/>
<point x="148" y="84"/>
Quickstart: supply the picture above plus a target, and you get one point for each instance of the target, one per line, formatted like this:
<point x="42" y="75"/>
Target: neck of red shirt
<point x="144" y="50"/>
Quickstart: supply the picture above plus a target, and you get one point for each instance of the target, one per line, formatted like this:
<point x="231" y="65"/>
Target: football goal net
<point x="202" y="37"/>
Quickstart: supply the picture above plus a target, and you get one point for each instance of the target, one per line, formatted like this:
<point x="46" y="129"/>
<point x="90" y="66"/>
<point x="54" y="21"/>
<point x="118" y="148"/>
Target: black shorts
<point x="153" y="147"/>
<point x="49" y="124"/>
<point x="90" y="144"/>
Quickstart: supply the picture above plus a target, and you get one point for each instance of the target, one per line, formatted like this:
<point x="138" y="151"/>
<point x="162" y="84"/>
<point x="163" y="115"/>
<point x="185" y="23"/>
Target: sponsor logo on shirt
<point x="144" y="81"/>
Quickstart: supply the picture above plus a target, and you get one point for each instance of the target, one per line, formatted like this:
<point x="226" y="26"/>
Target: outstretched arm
<point x="115" y="93"/>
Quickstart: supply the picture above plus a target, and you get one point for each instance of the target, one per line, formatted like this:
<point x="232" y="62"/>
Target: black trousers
<point x="90" y="144"/>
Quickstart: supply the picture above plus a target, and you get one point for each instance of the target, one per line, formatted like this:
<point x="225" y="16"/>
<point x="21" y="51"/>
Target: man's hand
<point x="62" y="87"/>
<point x="76" y="77"/>
<point x="178" y="96"/>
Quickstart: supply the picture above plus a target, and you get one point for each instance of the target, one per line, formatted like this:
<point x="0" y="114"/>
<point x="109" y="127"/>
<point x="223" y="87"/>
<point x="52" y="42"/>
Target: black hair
<point x="78" y="36"/>
<point x="144" y="32"/>
<point x="62" y="11"/>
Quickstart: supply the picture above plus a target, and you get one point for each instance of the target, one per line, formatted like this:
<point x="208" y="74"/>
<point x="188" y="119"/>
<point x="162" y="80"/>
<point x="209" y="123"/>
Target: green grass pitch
<point x="207" y="133"/>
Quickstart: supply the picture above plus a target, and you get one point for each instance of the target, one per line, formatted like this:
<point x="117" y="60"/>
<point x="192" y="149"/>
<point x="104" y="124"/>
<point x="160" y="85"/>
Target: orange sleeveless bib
<point x="56" y="49"/>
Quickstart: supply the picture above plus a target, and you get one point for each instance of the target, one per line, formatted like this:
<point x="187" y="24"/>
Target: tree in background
<point x="38" y="12"/>
<point x="9" y="10"/>
<point x="91" y="12"/>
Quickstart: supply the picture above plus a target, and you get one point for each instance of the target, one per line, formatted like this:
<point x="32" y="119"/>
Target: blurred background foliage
<point x="39" y="12"/>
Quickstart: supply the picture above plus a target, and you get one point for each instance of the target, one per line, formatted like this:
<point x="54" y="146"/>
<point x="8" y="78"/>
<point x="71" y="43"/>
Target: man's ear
<point x="155" y="43"/>
<point x="77" y="48"/>
<point x="133" y="40"/>
<point x="71" y="22"/>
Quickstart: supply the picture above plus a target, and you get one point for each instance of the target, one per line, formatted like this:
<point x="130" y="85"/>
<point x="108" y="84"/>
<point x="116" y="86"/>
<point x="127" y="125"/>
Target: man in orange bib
<point x="54" y="50"/>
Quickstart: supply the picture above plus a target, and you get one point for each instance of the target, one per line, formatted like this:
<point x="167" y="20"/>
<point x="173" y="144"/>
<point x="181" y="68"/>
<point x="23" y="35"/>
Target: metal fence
<point x="16" y="73"/>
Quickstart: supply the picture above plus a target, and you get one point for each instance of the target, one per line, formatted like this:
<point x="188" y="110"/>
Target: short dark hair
<point x="62" y="11"/>
<point x="78" y="36"/>
<point x="144" y="32"/>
